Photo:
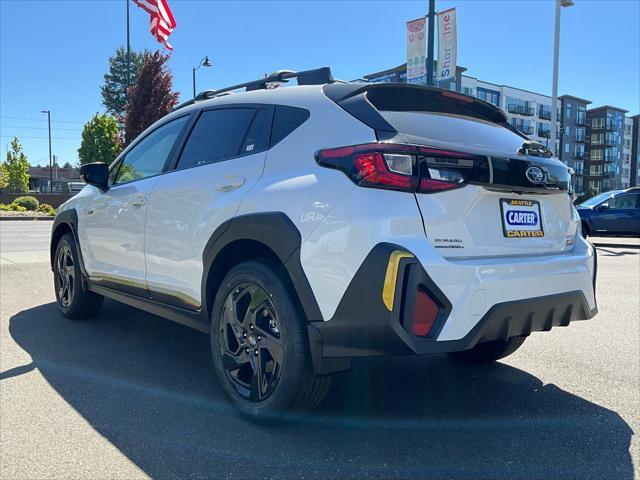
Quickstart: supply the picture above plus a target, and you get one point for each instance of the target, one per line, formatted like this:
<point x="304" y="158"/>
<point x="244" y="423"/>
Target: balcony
<point x="581" y="121"/>
<point x="608" y="174"/>
<point x="544" y="133"/>
<point x="581" y="156"/>
<point x="608" y="159"/>
<point x="520" y="109"/>
<point x="545" y="114"/>
<point x="611" y="126"/>
<point x="581" y="138"/>
<point x="609" y="142"/>
<point x="524" y="129"/>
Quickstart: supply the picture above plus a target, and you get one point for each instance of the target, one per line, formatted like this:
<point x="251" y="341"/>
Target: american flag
<point x="162" y="21"/>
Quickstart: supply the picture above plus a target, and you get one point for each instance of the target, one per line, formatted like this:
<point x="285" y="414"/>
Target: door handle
<point x="230" y="183"/>
<point x="138" y="202"/>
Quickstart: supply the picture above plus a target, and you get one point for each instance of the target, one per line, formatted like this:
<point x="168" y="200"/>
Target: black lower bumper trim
<point x="363" y="327"/>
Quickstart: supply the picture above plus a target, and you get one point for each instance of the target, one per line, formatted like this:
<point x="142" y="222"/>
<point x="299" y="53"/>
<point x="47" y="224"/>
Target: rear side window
<point x="257" y="137"/>
<point x="286" y="120"/>
<point x="216" y="136"/>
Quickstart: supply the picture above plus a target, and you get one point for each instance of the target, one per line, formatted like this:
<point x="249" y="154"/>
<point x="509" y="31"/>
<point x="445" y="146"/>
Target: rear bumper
<point x="363" y="326"/>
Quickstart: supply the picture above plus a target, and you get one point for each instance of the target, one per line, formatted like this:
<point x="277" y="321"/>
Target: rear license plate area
<point x="521" y="218"/>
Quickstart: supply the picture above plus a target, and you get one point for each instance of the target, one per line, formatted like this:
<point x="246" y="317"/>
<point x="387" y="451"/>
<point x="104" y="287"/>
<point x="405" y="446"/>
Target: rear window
<point x="286" y="120"/>
<point x="454" y="132"/>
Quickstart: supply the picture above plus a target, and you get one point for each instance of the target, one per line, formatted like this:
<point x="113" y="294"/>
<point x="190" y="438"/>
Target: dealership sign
<point x="416" y="51"/>
<point x="447" y="44"/>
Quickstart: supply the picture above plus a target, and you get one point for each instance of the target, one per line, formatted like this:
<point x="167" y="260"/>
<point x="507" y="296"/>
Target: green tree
<point x="3" y="177"/>
<point x="114" y="89"/>
<point x="150" y="98"/>
<point x="16" y="168"/>
<point x="100" y="140"/>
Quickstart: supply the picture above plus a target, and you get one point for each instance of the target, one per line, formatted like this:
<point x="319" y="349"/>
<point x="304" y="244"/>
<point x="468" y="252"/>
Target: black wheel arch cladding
<point x="275" y="231"/>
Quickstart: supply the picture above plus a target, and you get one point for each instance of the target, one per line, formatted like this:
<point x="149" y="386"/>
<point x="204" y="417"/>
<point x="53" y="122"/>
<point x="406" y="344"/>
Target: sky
<point x="54" y="53"/>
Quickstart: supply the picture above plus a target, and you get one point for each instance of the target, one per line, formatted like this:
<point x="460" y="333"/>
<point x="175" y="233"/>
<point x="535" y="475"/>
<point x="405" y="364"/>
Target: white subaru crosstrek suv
<point x="308" y="225"/>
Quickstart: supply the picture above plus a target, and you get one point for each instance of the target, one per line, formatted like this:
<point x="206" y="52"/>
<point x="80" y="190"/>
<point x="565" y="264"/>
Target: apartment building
<point x="625" y="175"/>
<point x="635" y="151"/>
<point x="605" y="130"/>
<point x="573" y="136"/>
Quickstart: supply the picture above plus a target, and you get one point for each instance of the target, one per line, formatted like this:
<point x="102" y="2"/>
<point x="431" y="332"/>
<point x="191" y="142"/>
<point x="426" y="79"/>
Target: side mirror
<point x="96" y="174"/>
<point x="603" y="206"/>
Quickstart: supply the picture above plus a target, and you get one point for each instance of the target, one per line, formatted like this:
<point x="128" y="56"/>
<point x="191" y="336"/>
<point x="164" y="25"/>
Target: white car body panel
<point x="184" y="210"/>
<point x="111" y="230"/>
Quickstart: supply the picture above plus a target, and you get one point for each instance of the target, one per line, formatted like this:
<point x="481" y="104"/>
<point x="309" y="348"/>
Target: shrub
<point x="17" y="208"/>
<point x="46" y="208"/>
<point x="29" y="203"/>
<point x="4" y="207"/>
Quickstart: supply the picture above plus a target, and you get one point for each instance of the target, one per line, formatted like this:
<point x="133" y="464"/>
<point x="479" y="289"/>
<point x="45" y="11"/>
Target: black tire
<point x="585" y="230"/>
<point x="72" y="300"/>
<point x="272" y="324"/>
<point x="489" y="351"/>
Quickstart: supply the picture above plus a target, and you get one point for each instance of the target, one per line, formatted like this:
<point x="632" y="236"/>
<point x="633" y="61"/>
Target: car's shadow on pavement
<point x="146" y="385"/>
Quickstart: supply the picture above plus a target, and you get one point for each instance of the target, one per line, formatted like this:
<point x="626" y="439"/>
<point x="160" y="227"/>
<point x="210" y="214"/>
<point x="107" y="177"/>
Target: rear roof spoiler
<point x="402" y="95"/>
<point x="364" y="101"/>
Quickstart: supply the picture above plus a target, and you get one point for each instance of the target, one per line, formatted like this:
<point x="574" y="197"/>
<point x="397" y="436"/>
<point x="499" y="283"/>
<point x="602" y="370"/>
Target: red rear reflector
<point x="425" y="312"/>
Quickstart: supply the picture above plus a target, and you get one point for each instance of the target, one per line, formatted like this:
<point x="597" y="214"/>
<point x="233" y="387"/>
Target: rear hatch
<point x="494" y="194"/>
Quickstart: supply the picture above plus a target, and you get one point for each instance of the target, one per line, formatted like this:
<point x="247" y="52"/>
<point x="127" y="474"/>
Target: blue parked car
<point x="616" y="212"/>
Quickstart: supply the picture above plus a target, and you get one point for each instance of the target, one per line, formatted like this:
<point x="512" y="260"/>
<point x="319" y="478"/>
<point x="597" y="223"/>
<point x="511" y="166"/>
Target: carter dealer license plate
<point x="521" y="218"/>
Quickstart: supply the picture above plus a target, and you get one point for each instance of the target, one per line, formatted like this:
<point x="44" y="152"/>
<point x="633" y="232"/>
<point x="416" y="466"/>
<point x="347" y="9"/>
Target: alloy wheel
<point x="65" y="275"/>
<point x="251" y="342"/>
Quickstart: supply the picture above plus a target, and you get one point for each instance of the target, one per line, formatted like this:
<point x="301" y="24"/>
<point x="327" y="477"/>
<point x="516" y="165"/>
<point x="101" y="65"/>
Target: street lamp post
<point x="554" y="88"/>
<point x="203" y="63"/>
<point x="48" y="112"/>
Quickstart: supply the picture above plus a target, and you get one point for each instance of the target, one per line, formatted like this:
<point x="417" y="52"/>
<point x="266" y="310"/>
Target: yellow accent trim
<point x="391" y="277"/>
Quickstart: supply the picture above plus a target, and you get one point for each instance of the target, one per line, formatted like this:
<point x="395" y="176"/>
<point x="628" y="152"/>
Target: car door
<point x="111" y="228"/>
<point x="222" y="157"/>
<point x="621" y="214"/>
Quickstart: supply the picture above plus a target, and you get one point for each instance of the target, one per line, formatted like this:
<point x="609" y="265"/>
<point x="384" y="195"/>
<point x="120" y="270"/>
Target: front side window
<point x="624" y="202"/>
<point x="217" y="135"/>
<point x="149" y="156"/>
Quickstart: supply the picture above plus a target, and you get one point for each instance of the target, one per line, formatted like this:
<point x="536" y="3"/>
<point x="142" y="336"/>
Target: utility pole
<point x="430" y="41"/>
<point x="48" y="112"/>
<point x="128" y="54"/>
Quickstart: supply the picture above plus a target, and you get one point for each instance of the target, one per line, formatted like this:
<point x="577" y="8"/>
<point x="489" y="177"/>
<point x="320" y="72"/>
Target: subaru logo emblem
<point x="535" y="175"/>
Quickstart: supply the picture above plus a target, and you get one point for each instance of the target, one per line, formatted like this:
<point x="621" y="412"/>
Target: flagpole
<point x="128" y="53"/>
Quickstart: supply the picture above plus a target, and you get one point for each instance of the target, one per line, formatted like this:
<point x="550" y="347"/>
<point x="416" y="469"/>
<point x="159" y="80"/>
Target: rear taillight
<point x="395" y="166"/>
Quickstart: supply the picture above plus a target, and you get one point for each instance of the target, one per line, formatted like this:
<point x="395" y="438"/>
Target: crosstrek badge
<point x="521" y="218"/>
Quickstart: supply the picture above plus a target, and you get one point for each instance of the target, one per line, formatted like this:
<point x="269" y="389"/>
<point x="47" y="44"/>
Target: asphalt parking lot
<point x="130" y="395"/>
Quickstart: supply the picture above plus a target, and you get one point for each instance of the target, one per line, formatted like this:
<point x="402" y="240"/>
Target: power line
<point x="40" y="119"/>
<point x="46" y="138"/>
<point x="37" y="128"/>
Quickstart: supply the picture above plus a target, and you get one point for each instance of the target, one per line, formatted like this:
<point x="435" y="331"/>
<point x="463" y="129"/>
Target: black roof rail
<point x="317" y="76"/>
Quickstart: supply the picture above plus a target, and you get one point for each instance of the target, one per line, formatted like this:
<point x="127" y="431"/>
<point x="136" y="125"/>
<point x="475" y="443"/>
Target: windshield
<point x="593" y="201"/>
